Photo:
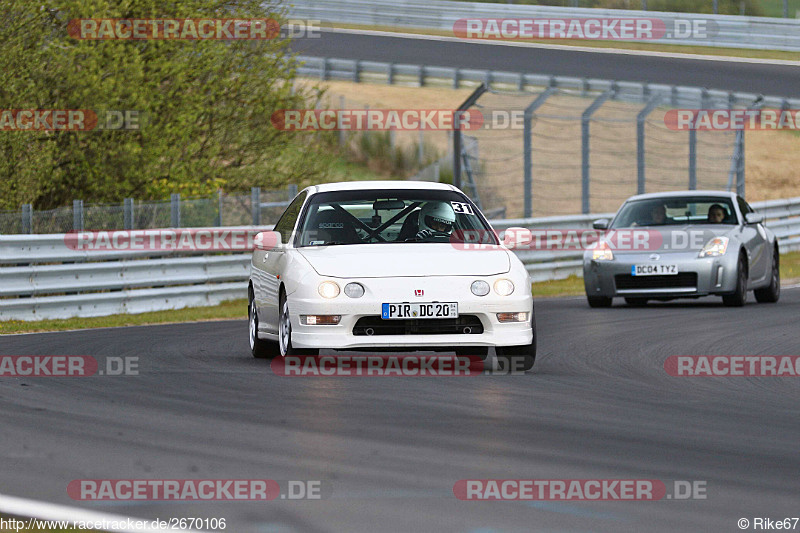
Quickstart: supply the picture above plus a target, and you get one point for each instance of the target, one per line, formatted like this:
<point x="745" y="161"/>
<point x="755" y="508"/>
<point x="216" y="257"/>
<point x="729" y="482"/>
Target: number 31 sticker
<point x="464" y="209"/>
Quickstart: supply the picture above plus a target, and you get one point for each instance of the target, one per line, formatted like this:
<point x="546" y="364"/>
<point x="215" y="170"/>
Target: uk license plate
<point x="419" y="310"/>
<point x="654" y="270"/>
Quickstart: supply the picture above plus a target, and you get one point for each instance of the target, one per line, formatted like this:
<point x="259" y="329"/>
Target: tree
<point x="206" y="104"/>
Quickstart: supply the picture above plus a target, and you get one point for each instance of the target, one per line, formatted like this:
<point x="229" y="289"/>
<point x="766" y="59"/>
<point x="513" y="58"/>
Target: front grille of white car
<point x="375" y="325"/>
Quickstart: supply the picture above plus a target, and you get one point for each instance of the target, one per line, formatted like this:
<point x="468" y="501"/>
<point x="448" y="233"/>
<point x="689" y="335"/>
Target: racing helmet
<point x="438" y="217"/>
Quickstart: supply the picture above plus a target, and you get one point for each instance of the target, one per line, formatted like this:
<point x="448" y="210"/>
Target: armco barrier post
<point x="77" y="215"/>
<point x="127" y="213"/>
<point x="175" y="210"/>
<point x="27" y="218"/>
<point x="219" y="207"/>
<point x="255" y="205"/>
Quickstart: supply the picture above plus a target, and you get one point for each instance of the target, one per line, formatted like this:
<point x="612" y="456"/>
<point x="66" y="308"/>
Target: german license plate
<point x="419" y="310"/>
<point x="654" y="270"/>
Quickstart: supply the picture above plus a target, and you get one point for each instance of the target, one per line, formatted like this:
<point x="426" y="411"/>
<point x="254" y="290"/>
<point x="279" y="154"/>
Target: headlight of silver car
<point x="602" y="252"/>
<point x="715" y="247"/>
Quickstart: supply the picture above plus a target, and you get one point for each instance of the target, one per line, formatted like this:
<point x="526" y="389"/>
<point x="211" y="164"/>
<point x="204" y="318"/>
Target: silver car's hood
<point x="404" y="259"/>
<point x="677" y="239"/>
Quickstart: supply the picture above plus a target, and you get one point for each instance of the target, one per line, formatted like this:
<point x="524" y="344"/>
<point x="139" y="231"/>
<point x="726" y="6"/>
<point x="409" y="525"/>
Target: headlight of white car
<point x="503" y="287"/>
<point x="328" y="289"/>
<point x="715" y="247"/>
<point x="479" y="288"/>
<point x="354" y="290"/>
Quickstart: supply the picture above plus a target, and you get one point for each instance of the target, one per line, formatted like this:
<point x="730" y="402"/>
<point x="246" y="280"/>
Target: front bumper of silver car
<point x="695" y="276"/>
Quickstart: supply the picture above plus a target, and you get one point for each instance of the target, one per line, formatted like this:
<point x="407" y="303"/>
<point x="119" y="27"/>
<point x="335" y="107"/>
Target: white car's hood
<point x="404" y="259"/>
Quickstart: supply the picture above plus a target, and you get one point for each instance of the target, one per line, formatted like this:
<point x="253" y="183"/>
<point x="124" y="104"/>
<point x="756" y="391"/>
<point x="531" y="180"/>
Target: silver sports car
<point x="685" y="244"/>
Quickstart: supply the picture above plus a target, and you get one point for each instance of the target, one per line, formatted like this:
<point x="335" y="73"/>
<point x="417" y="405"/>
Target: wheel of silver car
<point x="260" y="348"/>
<point x="772" y="292"/>
<point x="285" y="332"/>
<point x="599" y="301"/>
<point x="738" y="297"/>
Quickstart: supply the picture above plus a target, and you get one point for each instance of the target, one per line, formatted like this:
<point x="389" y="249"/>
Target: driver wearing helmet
<point x="435" y="219"/>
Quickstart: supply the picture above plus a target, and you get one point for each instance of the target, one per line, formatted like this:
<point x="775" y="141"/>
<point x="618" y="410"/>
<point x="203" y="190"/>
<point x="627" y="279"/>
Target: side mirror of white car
<point x="754" y="218"/>
<point x="267" y="240"/>
<point x="516" y="237"/>
<point x="600" y="223"/>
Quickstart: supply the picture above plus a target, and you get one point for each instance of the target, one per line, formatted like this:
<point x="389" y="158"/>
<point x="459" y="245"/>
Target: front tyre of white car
<point x="285" y="332"/>
<point x="519" y="357"/>
<point x="260" y="348"/>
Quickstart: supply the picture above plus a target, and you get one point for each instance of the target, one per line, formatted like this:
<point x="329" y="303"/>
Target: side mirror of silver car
<point x="754" y="218"/>
<point x="600" y="223"/>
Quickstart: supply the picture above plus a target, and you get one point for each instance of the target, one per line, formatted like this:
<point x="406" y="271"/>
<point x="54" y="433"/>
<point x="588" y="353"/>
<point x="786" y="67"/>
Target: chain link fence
<point x="258" y="207"/>
<point x="587" y="151"/>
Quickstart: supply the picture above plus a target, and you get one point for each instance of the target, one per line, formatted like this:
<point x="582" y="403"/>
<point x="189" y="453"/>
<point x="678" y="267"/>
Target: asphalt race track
<point x="598" y="405"/>
<point x="758" y="78"/>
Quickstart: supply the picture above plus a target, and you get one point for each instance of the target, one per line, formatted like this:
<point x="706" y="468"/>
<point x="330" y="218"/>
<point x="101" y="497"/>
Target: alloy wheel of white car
<point x="261" y="349"/>
<point x="252" y="324"/>
<point x="285" y="329"/>
<point x="285" y="333"/>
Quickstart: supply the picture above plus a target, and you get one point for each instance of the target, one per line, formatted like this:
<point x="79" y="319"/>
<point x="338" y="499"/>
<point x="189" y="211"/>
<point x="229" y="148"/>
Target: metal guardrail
<point x="42" y="278"/>
<point x="328" y="68"/>
<point x="758" y="33"/>
<point x="46" y="277"/>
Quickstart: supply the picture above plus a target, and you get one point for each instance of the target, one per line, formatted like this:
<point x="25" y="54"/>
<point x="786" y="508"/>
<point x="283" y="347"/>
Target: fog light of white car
<point x="479" y="288"/>
<point x="602" y="252"/>
<point x="328" y="289"/>
<point x="354" y="290"/>
<point x="320" y="320"/>
<point x="503" y="287"/>
<point x="512" y="317"/>
<point x="715" y="247"/>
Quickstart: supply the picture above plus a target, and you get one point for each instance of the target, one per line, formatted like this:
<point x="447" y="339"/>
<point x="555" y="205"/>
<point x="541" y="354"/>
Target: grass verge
<point x="226" y="310"/>
<point x="237" y="309"/>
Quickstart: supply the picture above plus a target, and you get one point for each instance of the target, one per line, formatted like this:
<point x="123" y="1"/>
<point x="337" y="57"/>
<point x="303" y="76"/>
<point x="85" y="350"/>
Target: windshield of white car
<point x="391" y="216"/>
<point x="672" y="211"/>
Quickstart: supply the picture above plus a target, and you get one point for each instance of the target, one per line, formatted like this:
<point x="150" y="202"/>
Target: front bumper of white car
<point x="361" y="326"/>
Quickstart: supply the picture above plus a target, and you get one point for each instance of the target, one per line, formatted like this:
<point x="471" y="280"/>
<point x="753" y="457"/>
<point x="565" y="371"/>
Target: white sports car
<point x="381" y="266"/>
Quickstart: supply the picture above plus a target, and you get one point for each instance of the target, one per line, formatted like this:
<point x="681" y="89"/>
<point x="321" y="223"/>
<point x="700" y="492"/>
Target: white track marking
<point x="48" y="511"/>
